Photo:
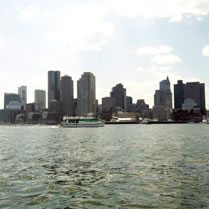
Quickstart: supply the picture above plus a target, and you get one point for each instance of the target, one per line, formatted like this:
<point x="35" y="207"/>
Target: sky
<point x="134" y="42"/>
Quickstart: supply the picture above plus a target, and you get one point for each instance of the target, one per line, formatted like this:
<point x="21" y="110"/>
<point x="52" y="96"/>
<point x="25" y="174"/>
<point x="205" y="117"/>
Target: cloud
<point x="159" y="71"/>
<point x="82" y="27"/>
<point x="169" y="59"/>
<point x="160" y="55"/>
<point x="150" y="51"/>
<point x="29" y="12"/>
<point x="205" y="51"/>
<point x="173" y="10"/>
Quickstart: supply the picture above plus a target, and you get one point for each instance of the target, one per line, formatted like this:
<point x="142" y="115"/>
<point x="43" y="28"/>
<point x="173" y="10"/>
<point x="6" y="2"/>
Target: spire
<point x="167" y="78"/>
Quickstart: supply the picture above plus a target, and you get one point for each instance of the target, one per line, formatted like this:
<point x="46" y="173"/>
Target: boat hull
<point x="83" y="125"/>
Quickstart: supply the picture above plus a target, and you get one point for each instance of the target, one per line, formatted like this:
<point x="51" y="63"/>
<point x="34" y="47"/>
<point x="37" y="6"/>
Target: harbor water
<point x="118" y="166"/>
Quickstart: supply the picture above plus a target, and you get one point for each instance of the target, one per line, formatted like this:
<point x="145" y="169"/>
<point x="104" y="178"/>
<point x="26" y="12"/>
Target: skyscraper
<point x="164" y="95"/>
<point x="196" y="92"/>
<point x="119" y="93"/>
<point x="86" y="90"/>
<point x="179" y="94"/>
<point x="129" y="101"/>
<point x="40" y="98"/>
<point x="66" y="95"/>
<point x="22" y="92"/>
<point x="53" y="86"/>
<point x="165" y="84"/>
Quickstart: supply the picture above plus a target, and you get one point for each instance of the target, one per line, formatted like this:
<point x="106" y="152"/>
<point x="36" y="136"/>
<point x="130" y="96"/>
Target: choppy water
<point x="124" y="166"/>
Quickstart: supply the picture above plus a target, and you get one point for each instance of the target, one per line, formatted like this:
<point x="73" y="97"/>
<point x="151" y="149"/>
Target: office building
<point x="22" y="91"/>
<point x="196" y="92"/>
<point x="66" y="95"/>
<point x="53" y="86"/>
<point x="107" y="104"/>
<point x="119" y="93"/>
<point x="161" y="113"/>
<point x="141" y="106"/>
<point x="40" y="98"/>
<point x="32" y="107"/>
<point x="179" y="94"/>
<point x="129" y="101"/>
<point x="164" y="95"/>
<point x="56" y="107"/>
<point x="86" y="93"/>
<point x="10" y="97"/>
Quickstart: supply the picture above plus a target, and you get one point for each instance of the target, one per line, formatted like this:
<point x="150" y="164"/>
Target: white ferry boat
<point x="77" y="122"/>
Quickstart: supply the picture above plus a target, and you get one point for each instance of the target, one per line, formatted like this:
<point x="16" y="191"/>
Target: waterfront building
<point x="53" y="86"/>
<point x="50" y="118"/>
<point x="86" y="92"/>
<point x="161" y="112"/>
<point x="163" y="96"/>
<point x="99" y="110"/>
<point x="75" y="105"/>
<point x="32" y="107"/>
<point x="66" y="95"/>
<point x="10" y="97"/>
<point x="56" y="107"/>
<point x="196" y="92"/>
<point x="148" y="114"/>
<point x="40" y="98"/>
<point x="119" y="93"/>
<point x="4" y="116"/>
<point x="34" y="118"/>
<point x="141" y="106"/>
<point x="22" y="91"/>
<point x="179" y="94"/>
<point x="107" y="104"/>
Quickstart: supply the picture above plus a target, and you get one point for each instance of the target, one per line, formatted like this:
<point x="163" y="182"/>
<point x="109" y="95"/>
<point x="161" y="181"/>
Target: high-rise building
<point x="129" y="101"/>
<point x="107" y="104"/>
<point x="10" y="98"/>
<point x="53" y="86"/>
<point x="86" y="90"/>
<point x="164" y="95"/>
<point x="165" y="84"/>
<point x="141" y="106"/>
<point x="179" y="94"/>
<point x="22" y="91"/>
<point x="66" y="95"/>
<point x="119" y="93"/>
<point x="196" y="92"/>
<point x="40" y="98"/>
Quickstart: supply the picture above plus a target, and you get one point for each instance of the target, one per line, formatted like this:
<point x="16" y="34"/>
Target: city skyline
<point x="137" y="46"/>
<point x="55" y="79"/>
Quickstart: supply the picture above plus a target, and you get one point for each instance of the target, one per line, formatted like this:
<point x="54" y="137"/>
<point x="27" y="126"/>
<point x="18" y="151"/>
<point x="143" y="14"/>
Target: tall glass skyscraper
<point x="119" y="93"/>
<point x="22" y="91"/>
<point x="86" y="90"/>
<point x="164" y="95"/>
<point x="40" y="98"/>
<point x="66" y="95"/>
<point x="53" y="86"/>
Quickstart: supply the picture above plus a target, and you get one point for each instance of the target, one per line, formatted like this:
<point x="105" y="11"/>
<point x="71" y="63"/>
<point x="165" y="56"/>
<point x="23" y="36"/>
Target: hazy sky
<point x="133" y="42"/>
